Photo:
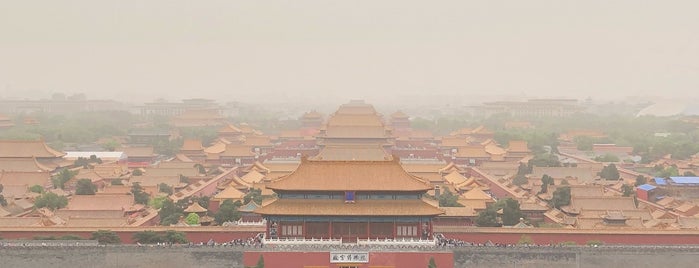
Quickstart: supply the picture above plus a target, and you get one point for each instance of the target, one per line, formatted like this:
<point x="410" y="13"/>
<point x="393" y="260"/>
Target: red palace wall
<point x="127" y="235"/>
<point x="376" y="259"/>
<point x="543" y="238"/>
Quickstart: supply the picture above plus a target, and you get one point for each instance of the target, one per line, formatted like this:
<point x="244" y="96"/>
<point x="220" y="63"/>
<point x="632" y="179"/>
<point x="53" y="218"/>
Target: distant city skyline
<point x="326" y="50"/>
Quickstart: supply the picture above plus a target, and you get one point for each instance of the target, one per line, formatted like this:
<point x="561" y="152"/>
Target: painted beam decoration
<point x="349" y="257"/>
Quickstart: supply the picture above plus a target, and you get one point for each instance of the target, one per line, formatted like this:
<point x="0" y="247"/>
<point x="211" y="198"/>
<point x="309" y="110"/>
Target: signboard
<point x="349" y="257"/>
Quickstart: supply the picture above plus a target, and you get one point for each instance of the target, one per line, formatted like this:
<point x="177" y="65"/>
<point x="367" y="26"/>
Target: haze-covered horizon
<point x="340" y="50"/>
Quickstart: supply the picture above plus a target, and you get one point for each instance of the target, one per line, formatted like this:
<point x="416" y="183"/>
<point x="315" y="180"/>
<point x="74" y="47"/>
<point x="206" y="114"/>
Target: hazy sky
<point x="131" y="50"/>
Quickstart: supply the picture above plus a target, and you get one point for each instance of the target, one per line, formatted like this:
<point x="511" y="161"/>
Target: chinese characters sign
<point x="347" y="257"/>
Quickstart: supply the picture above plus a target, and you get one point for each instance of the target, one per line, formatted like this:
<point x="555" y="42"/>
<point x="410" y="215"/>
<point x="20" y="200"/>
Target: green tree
<point x="137" y="172"/>
<point x="447" y="199"/>
<point x="670" y="171"/>
<point x="106" y="237"/>
<point x="174" y="237"/>
<point x="488" y="218"/>
<point x="432" y="264"/>
<point x="609" y="172"/>
<point x="523" y="169"/>
<point x="184" y="179"/>
<point x="584" y="143"/>
<point x="169" y="213"/>
<point x="64" y="176"/>
<point x="148" y="237"/>
<point x="511" y="213"/>
<point x="203" y="201"/>
<point x="254" y="194"/>
<point x="192" y="219"/>
<point x="546" y="180"/>
<point x="520" y="180"/>
<point x="200" y="168"/>
<point x="164" y="188"/>
<point x="70" y="237"/>
<point x="260" y="262"/>
<point x="51" y="201"/>
<point x="110" y="145"/>
<point x="228" y="211"/>
<point x="627" y="190"/>
<point x="36" y="189"/>
<point x="641" y="180"/>
<point x="689" y="174"/>
<point x="157" y="202"/>
<point x="3" y="202"/>
<point x="139" y="196"/>
<point x="85" y="187"/>
<point x="595" y="243"/>
<point x="561" y="197"/>
<point x="545" y="160"/>
<point x="525" y="240"/>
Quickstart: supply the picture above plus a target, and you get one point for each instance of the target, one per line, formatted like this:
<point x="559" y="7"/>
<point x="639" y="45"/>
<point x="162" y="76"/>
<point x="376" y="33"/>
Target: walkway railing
<point x="301" y="241"/>
<point x="397" y="242"/>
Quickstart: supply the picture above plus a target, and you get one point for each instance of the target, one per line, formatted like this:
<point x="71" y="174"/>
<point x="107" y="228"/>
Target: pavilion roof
<point x="229" y="193"/>
<point x="253" y="177"/>
<point x="249" y="207"/>
<point x="27" y="149"/>
<point x="399" y="115"/>
<point x="195" y="208"/>
<point x="476" y="194"/>
<point x="334" y="207"/>
<point x="314" y="175"/>
<point x="455" y="178"/>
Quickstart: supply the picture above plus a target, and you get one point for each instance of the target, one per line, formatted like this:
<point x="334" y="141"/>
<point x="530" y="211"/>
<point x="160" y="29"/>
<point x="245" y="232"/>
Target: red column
<point x="419" y="229"/>
<point x="368" y="226"/>
<point x="394" y="229"/>
<point x="330" y="229"/>
<point x="429" y="229"/>
<point x="269" y="225"/>
<point x="303" y="229"/>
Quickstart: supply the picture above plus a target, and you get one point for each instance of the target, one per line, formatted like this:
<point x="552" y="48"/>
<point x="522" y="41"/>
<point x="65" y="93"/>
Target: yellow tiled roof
<point x="349" y="176"/>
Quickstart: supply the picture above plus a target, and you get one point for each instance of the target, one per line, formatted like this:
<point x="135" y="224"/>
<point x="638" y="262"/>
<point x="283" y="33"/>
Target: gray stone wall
<point x="126" y="256"/>
<point x="603" y="256"/>
<point x="159" y="257"/>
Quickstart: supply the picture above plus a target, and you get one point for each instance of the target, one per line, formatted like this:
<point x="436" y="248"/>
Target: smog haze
<point x="296" y="50"/>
